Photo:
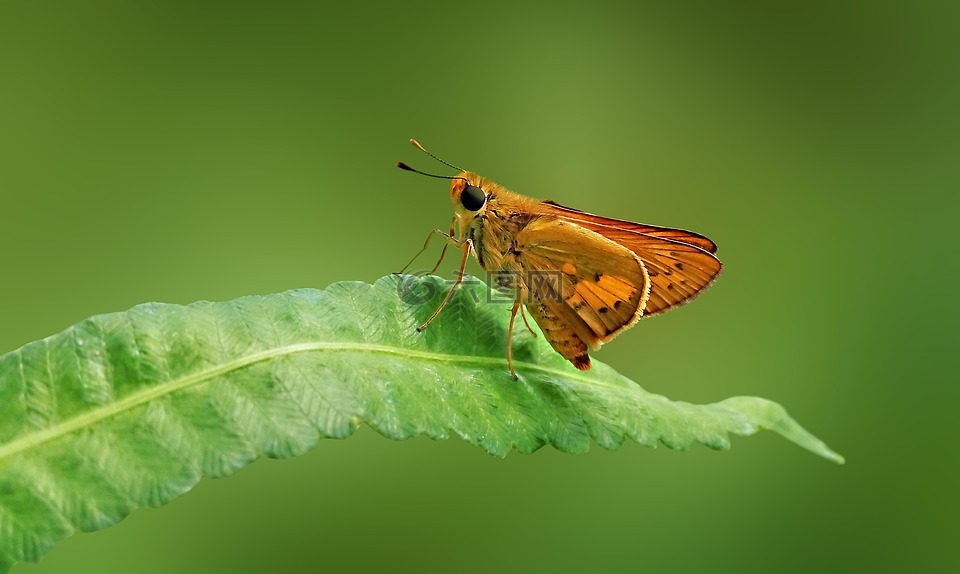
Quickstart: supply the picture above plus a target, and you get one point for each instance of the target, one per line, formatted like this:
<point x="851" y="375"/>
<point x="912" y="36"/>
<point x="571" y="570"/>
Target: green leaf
<point x="131" y="409"/>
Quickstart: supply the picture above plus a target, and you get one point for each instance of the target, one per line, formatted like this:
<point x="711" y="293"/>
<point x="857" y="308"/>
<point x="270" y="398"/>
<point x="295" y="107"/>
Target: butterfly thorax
<point x="494" y="231"/>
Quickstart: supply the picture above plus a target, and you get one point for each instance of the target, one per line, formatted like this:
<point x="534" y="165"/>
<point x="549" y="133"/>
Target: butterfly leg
<point x="444" y="250"/>
<point x="467" y="247"/>
<point x="525" y="322"/>
<point x="448" y="236"/>
<point x="517" y="306"/>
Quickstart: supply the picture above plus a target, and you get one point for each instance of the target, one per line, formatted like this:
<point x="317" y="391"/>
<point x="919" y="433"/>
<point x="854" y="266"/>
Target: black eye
<point x="473" y="198"/>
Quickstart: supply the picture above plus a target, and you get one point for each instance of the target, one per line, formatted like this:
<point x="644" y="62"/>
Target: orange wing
<point x="680" y="263"/>
<point x="591" y="221"/>
<point x="583" y="289"/>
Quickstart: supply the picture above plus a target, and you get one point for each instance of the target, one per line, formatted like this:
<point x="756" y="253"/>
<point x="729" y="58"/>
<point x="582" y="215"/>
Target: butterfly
<point x="583" y="278"/>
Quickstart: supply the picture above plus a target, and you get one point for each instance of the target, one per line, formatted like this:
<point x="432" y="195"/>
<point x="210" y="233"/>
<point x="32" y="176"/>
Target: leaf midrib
<point x="89" y="418"/>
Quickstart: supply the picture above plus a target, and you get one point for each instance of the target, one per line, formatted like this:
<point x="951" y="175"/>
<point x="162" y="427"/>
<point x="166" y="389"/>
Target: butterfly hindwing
<point x="575" y="275"/>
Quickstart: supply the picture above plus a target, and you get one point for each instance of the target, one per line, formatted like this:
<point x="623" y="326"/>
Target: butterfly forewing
<point x="680" y="263"/>
<point x="603" y="224"/>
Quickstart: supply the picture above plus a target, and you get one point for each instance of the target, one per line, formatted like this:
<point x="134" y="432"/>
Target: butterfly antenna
<point x="417" y="145"/>
<point x="402" y="165"/>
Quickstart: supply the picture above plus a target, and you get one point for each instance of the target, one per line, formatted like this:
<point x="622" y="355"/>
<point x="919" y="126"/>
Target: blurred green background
<point x="176" y="151"/>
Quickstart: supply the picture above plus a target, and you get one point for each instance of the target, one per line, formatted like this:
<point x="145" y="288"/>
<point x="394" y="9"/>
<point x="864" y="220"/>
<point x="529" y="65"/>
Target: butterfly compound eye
<point x="472" y="198"/>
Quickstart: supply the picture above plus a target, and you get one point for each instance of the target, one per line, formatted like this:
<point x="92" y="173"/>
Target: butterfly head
<point x="467" y="194"/>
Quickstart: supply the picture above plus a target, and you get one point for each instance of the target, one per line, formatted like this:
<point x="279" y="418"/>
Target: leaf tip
<point x="766" y="414"/>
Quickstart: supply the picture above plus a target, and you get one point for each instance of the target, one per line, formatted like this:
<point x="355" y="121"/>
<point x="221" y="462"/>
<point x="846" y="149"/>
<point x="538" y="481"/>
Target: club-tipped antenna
<point x="417" y="145"/>
<point x="402" y="165"/>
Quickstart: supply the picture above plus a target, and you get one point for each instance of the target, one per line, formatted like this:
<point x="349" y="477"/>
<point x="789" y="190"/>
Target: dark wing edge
<point x="681" y="235"/>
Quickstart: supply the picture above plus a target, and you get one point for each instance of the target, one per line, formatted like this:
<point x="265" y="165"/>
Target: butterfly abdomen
<point x="560" y="335"/>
